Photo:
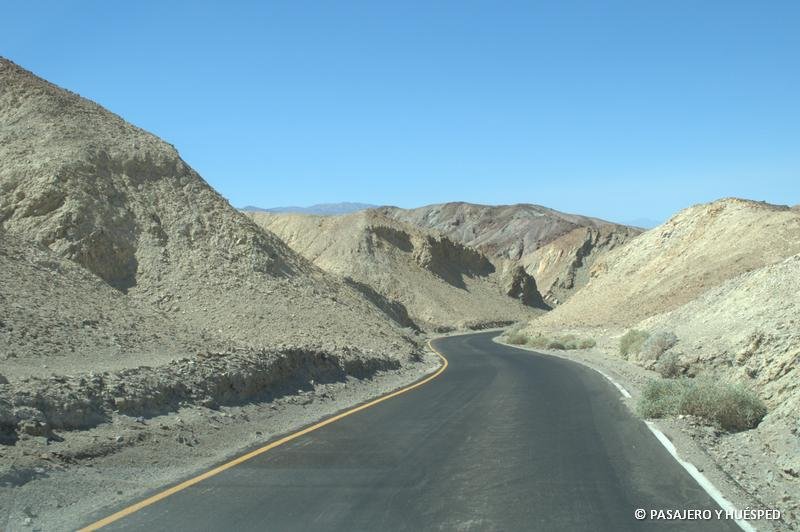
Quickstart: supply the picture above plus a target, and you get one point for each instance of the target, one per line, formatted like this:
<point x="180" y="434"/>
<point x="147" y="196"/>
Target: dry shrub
<point x="631" y="343"/>
<point x="731" y="407"/>
<point x="656" y="345"/>
<point x="669" y="365"/>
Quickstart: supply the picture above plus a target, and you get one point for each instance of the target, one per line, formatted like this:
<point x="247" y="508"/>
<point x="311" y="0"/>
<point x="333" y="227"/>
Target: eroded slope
<point x="117" y="200"/>
<point x="555" y="247"/>
<point x="672" y="264"/>
<point x="438" y="282"/>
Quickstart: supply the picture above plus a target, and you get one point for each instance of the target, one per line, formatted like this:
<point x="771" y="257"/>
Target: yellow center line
<point x="261" y="450"/>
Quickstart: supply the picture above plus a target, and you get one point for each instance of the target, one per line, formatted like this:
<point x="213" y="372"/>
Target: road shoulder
<point x="128" y="458"/>
<point x="695" y="443"/>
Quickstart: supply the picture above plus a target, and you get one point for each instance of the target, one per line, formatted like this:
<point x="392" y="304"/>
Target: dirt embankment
<point x="37" y="406"/>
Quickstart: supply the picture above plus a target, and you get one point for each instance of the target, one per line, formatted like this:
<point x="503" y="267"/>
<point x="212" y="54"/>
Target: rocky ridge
<point x="438" y="283"/>
<point x="672" y="264"/>
<point x="555" y="248"/>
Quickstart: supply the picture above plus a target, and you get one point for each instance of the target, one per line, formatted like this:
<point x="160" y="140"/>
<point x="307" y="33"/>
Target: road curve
<point x="502" y="440"/>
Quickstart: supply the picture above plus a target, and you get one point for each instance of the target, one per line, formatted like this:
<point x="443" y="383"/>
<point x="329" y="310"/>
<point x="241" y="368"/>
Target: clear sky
<point x="623" y="110"/>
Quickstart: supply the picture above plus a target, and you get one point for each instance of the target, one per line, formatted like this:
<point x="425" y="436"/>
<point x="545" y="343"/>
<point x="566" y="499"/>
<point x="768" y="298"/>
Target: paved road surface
<point x="502" y="440"/>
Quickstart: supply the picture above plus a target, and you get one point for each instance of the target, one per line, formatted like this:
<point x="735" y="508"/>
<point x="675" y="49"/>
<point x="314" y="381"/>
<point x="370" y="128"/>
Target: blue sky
<point x="623" y="110"/>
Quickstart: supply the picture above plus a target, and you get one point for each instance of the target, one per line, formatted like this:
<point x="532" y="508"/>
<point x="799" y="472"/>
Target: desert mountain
<point x="414" y="273"/>
<point x="521" y="234"/>
<point x="666" y="267"/>
<point x="322" y="209"/>
<point x="94" y="189"/>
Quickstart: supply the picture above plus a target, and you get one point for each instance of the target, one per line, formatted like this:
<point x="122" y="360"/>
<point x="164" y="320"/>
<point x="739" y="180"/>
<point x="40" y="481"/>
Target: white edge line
<point x="690" y="468"/>
<point x="700" y="478"/>
<point x="622" y="390"/>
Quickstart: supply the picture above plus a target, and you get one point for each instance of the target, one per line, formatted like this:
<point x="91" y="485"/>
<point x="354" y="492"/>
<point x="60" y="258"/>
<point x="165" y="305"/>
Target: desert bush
<point x="656" y="345"/>
<point x="587" y="343"/>
<point x="661" y="398"/>
<point x="556" y="344"/>
<point x="731" y="407"/>
<point x="632" y="342"/>
<point x="538" y="341"/>
<point x="517" y="338"/>
<point x="570" y="341"/>
<point x="669" y="366"/>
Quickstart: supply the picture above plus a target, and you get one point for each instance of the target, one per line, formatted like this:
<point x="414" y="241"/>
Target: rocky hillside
<point x="746" y="326"/>
<point x="745" y="330"/>
<point x="562" y="266"/>
<point x="56" y="316"/>
<point x="521" y="234"/>
<point x="419" y="275"/>
<point x="668" y="266"/>
<point x="83" y="183"/>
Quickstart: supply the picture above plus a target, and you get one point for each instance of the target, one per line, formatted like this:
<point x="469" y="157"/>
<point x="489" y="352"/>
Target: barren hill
<point x="425" y="276"/>
<point x="117" y="200"/>
<point x="58" y="317"/>
<point x="562" y="266"/>
<point x="668" y="266"/>
<point x="555" y="247"/>
<point x="746" y="330"/>
<point x="747" y="326"/>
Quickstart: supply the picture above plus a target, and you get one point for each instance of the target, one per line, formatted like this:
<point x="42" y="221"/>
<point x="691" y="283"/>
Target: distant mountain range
<point x="324" y="209"/>
<point x="644" y="223"/>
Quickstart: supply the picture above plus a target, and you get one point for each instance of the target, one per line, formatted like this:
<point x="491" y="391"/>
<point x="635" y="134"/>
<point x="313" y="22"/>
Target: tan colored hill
<point x="562" y="266"/>
<point x="56" y="316"/>
<point x="668" y="266"/>
<point x="747" y="327"/>
<point x="555" y="247"/>
<point x="120" y="202"/>
<point x="415" y="274"/>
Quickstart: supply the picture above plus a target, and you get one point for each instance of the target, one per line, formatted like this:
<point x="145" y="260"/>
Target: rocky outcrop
<point x="450" y="261"/>
<point x="562" y="266"/>
<point x="36" y="406"/>
<point x="520" y="285"/>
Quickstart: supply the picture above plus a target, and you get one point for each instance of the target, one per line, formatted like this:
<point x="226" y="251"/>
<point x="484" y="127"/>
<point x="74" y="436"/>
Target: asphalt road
<point x="503" y="440"/>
